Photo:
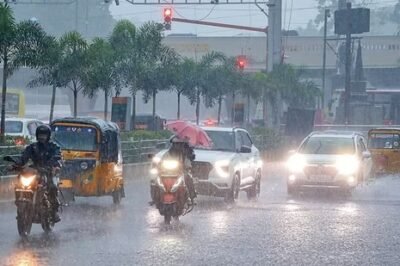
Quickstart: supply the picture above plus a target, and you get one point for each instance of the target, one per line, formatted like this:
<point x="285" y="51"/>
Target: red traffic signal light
<point x="167" y="15"/>
<point x="241" y="62"/>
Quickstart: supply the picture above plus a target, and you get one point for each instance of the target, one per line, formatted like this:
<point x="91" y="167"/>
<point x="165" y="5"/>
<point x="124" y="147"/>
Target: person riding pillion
<point x="45" y="154"/>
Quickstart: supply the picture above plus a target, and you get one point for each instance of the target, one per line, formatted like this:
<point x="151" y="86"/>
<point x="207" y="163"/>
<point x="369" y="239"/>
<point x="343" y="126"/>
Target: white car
<point x="330" y="159"/>
<point x="231" y="165"/>
<point x="22" y="127"/>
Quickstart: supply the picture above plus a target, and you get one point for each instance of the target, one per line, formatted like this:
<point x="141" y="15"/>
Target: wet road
<point x="312" y="229"/>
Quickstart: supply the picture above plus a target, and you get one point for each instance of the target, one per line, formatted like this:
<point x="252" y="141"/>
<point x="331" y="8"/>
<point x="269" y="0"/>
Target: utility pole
<point x="347" y="67"/>
<point x="274" y="54"/>
<point x="324" y="93"/>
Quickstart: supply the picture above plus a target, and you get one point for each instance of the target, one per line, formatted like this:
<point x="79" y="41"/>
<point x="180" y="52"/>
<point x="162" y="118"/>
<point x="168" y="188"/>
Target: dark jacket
<point x="42" y="155"/>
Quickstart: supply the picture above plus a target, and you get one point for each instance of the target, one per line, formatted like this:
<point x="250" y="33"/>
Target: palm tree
<point x="101" y="74"/>
<point x="184" y="76"/>
<point x="159" y="75"/>
<point x="124" y="41"/>
<point x="49" y="71"/>
<point x="201" y="75"/>
<point x="73" y="63"/>
<point x="20" y="44"/>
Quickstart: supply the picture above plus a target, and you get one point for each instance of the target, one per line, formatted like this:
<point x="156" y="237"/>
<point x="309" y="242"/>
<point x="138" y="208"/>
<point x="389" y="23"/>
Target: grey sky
<point x="248" y="15"/>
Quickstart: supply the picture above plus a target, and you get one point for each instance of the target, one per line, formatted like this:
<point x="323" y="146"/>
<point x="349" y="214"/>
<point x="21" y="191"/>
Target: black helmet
<point x="43" y="130"/>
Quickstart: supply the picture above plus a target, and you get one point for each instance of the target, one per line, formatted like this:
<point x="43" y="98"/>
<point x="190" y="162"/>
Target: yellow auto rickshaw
<point x="92" y="157"/>
<point x="384" y="144"/>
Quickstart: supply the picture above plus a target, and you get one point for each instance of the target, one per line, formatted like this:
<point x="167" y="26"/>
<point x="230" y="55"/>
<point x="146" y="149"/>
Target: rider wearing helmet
<point x="45" y="154"/>
<point x="181" y="150"/>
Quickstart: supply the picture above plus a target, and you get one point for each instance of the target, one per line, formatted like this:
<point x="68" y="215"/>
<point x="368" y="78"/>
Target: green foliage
<point x="145" y="135"/>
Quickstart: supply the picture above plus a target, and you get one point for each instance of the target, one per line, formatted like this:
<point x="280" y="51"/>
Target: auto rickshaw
<point x="91" y="150"/>
<point x="384" y="144"/>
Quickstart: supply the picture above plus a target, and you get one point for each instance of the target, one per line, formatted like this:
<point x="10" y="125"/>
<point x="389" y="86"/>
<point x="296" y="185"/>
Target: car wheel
<point x="254" y="191"/>
<point x="233" y="193"/>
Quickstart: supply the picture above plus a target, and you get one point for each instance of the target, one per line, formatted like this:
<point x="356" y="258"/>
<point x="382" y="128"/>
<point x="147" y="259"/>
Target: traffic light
<point x="167" y="18"/>
<point x="241" y="62"/>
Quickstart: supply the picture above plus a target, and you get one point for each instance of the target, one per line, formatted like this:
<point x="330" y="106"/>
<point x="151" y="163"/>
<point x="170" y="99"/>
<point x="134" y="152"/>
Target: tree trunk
<point x="233" y="108"/>
<point x="219" y="109"/>
<point x="248" y="110"/>
<point x="3" y="99"/>
<point x="178" y="116"/>
<point x="154" y="109"/>
<point x="105" y="105"/>
<point x="75" y="102"/>
<point x="53" y="101"/>
<point x="198" y="107"/>
<point x="133" y="110"/>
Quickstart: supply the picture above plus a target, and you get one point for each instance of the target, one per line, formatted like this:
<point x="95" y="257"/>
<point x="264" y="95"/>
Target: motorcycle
<point x="32" y="197"/>
<point x="169" y="191"/>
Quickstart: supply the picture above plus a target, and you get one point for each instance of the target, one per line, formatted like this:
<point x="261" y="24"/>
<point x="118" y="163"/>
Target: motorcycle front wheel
<point x="24" y="218"/>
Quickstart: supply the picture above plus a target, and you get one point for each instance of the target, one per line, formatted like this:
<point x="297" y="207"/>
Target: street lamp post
<point x="324" y="94"/>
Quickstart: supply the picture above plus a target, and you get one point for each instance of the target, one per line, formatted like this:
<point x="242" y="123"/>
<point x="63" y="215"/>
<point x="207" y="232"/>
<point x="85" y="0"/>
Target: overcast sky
<point x="296" y="13"/>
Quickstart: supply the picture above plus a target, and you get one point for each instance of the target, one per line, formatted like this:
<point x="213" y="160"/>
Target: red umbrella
<point x="192" y="133"/>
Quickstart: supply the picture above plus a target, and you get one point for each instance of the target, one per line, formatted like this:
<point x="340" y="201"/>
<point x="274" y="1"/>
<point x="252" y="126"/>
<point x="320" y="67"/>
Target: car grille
<point x="328" y="170"/>
<point x="201" y="170"/>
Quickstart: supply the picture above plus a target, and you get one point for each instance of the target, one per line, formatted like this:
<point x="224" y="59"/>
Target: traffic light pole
<point x="347" y="67"/>
<point x="221" y="25"/>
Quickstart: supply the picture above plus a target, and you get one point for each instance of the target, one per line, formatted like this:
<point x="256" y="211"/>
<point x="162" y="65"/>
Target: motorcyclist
<point x="45" y="154"/>
<point x="181" y="151"/>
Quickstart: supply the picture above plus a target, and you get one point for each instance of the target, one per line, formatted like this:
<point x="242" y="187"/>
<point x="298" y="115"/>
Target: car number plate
<point x="321" y="178"/>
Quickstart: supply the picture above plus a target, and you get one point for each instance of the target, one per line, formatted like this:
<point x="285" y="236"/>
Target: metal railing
<point x="138" y="151"/>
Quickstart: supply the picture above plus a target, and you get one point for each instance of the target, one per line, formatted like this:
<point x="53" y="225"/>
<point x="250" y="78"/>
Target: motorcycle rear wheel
<point x="167" y="219"/>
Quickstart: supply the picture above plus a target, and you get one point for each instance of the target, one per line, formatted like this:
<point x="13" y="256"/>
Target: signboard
<point x="360" y="21"/>
<point x="121" y="112"/>
<point x="12" y="103"/>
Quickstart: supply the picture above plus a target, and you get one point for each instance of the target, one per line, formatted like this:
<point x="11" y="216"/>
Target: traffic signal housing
<point x="167" y="17"/>
<point x="241" y="62"/>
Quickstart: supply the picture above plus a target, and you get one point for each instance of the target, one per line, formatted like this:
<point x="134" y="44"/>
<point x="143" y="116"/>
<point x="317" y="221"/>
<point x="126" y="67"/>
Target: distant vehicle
<point x="329" y="159"/>
<point x="145" y="122"/>
<point x="384" y="144"/>
<point x="232" y="165"/>
<point x="22" y="127"/>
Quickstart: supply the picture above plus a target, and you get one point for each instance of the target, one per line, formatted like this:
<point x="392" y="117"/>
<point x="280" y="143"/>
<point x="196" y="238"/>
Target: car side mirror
<point x="366" y="155"/>
<point x="245" y="149"/>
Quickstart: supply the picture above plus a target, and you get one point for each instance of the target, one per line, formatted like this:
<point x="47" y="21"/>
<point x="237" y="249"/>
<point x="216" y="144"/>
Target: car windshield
<point x="14" y="127"/>
<point x="75" y="138"/>
<point x="384" y="141"/>
<point x="222" y="140"/>
<point x="328" y="145"/>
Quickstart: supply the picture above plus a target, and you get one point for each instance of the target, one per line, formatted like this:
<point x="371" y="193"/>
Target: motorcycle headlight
<point x="27" y="180"/>
<point x="170" y="164"/>
<point x="347" y="164"/>
<point x="296" y="163"/>
<point x="84" y="165"/>
<point x="222" y="168"/>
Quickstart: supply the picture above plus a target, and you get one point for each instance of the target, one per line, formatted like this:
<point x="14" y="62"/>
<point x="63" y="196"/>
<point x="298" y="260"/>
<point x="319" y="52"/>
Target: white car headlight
<point x="27" y="180"/>
<point x="222" y="168"/>
<point x="347" y="164"/>
<point x="296" y="163"/>
<point x="156" y="160"/>
<point x="170" y="164"/>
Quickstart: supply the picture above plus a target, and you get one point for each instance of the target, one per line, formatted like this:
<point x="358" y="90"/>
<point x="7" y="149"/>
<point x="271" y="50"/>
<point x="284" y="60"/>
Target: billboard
<point x="121" y="112"/>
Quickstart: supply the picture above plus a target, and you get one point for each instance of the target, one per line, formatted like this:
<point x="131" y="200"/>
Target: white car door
<point x="247" y="158"/>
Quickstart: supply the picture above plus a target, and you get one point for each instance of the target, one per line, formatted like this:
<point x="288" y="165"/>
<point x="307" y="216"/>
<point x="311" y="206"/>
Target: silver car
<point x="330" y="159"/>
